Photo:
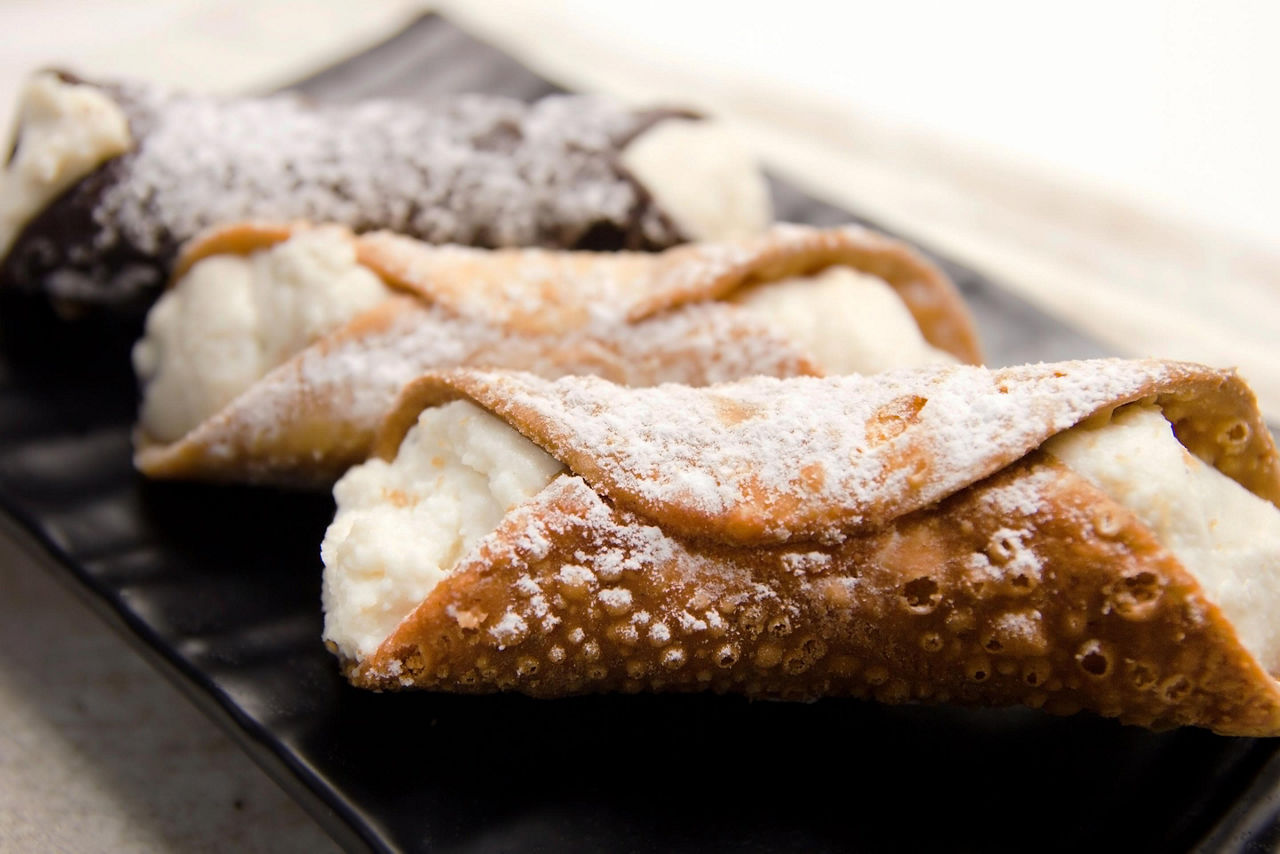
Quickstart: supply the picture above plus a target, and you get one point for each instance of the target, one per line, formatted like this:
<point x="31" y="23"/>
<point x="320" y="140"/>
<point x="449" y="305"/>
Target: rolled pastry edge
<point x="954" y="602"/>
<point x="466" y="313"/>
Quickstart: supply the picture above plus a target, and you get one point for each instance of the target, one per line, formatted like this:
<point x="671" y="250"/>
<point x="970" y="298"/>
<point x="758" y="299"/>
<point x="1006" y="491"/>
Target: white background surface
<point x="1168" y="102"/>
<point x="1113" y="161"/>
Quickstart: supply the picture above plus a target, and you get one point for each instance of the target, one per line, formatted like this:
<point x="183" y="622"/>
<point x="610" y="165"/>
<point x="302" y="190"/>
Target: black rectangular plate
<point x="220" y="588"/>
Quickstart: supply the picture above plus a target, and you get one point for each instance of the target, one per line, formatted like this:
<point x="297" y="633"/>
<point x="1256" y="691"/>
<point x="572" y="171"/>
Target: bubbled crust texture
<point x="633" y="318"/>
<point x="565" y="598"/>
<point x="1028" y="586"/>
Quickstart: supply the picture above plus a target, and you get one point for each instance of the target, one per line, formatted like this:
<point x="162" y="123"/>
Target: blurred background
<point x="1114" y="162"/>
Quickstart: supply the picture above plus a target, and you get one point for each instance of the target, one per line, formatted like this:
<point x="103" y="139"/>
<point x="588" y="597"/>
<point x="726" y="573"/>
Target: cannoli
<point x="105" y="181"/>
<point x="279" y="350"/>
<point x="1097" y="535"/>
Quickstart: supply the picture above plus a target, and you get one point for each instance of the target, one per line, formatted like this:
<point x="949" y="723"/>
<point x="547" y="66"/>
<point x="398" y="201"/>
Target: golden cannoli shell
<point x="634" y="318"/>
<point x="1022" y="584"/>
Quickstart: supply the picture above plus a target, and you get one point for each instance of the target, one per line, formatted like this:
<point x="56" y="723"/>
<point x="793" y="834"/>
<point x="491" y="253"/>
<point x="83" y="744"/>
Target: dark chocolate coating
<point x="96" y="248"/>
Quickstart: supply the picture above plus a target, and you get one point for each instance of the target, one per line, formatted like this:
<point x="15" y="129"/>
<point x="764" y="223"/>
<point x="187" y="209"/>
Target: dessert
<point x="280" y="348"/>
<point x="105" y="181"/>
<point x="1096" y="535"/>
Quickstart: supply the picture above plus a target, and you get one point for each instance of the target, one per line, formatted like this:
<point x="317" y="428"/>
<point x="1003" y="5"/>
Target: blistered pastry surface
<point x="1224" y="535"/>
<point x="1026" y="586"/>
<point x="1031" y="588"/>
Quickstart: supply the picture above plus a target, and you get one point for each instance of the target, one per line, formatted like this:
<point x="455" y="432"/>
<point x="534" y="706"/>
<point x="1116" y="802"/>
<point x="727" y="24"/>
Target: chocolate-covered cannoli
<point x="105" y="181"/>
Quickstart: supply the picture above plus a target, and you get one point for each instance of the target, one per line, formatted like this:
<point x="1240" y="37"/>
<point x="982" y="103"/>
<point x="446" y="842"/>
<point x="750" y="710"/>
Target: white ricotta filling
<point x="231" y="319"/>
<point x="65" y="131"/>
<point x="704" y="179"/>
<point x="852" y="323"/>
<point x="402" y="526"/>
<point x="1227" y="537"/>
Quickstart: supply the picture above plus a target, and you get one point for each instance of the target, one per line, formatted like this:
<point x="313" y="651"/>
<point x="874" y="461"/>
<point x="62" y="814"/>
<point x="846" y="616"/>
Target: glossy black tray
<point x="220" y="588"/>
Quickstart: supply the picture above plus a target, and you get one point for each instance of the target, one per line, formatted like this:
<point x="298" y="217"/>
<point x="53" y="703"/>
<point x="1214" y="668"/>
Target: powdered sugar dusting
<point x="510" y="629"/>
<point x="803" y="563"/>
<point x="1011" y="551"/>
<point x="616" y="597"/>
<point x="617" y="547"/>
<point x="415" y="338"/>
<point x="622" y="316"/>
<point x="351" y="380"/>
<point x="473" y="169"/>
<point x="547" y="290"/>
<point x="576" y="576"/>
<point x="1020" y="625"/>
<point x="764" y="460"/>
<point x="1021" y="498"/>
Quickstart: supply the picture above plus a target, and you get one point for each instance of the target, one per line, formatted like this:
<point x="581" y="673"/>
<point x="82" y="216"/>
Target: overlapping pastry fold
<point x="542" y="290"/>
<point x="768" y="461"/>
<point x="635" y="318"/>
<point x="904" y="537"/>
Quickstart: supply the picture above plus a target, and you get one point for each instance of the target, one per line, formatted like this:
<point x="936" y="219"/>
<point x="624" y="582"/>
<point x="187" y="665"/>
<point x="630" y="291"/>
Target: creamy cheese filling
<point x="402" y="526"/>
<point x="1226" y="536"/>
<point x="705" y="180"/>
<point x="65" y="131"/>
<point x="852" y="323"/>
<point x="231" y="319"/>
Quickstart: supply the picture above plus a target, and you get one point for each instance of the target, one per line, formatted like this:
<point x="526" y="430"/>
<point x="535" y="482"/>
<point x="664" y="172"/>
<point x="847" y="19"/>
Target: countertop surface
<point x="99" y="753"/>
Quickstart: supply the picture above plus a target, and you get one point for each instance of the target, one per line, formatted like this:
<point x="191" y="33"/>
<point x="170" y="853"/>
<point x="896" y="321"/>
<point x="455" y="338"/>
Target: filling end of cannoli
<point x="65" y="131"/>
<point x="1226" y="537"/>
<point x="702" y="178"/>
<point x="850" y="322"/>
<point x="402" y="526"/>
<point x="230" y="319"/>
